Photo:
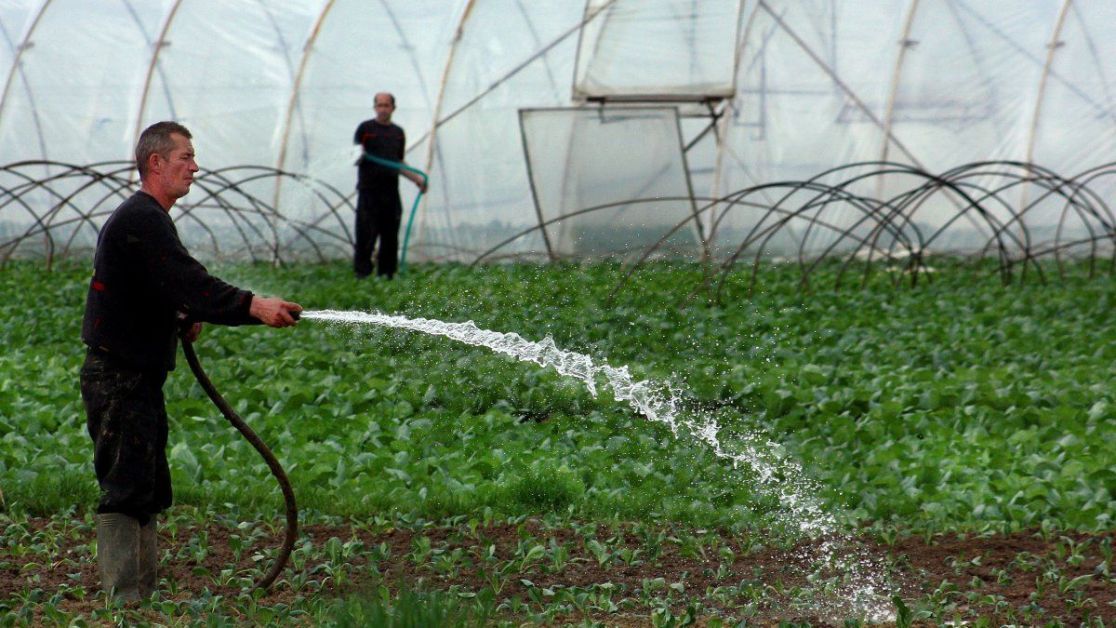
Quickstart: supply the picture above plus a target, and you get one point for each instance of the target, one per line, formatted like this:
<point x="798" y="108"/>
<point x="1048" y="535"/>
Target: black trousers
<point x="126" y="417"/>
<point x="378" y="216"/>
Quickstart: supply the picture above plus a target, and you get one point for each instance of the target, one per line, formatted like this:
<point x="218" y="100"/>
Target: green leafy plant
<point x="955" y="407"/>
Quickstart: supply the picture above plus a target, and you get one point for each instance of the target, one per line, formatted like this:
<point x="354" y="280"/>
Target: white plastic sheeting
<point x="800" y="86"/>
<point x="680" y="48"/>
<point x="934" y="84"/>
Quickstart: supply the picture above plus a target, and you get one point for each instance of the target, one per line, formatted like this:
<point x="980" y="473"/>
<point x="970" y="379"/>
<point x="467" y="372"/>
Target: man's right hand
<point x="273" y="311"/>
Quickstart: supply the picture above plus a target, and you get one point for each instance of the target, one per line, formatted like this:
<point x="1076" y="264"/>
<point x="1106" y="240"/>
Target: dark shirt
<point x="143" y="277"/>
<point x="386" y="141"/>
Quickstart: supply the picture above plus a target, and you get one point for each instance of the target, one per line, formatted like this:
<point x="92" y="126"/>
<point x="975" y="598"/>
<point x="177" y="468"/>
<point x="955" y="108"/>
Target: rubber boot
<point x="148" y="558"/>
<point x="118" y="555"/>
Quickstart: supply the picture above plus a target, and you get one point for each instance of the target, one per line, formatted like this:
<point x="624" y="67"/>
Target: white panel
<point x="617" y="180"/>
<point x="667" y="48"/>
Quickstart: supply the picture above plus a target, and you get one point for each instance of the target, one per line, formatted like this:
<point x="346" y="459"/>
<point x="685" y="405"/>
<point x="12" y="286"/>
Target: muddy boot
<point x="118" y="555"/>
<point x="148" y="558"/>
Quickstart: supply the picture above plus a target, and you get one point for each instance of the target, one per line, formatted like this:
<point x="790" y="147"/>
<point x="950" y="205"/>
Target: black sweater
<point x="143" y="278"/>
<point x="386" y="141"/>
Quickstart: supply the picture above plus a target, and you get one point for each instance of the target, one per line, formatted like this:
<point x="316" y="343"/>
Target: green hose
<point x="398" y="165"/>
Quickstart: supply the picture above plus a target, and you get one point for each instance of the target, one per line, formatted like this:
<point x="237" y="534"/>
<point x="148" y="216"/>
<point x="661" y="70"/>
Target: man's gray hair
<point x="156" y="140"/>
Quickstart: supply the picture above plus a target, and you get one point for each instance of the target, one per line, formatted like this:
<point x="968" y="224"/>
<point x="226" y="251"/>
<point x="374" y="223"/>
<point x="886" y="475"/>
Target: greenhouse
<point x="714" y="131"/>
<point x="558" y="312"/>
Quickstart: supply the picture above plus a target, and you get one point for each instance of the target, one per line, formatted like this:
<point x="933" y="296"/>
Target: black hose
<point x="276" y="469"/>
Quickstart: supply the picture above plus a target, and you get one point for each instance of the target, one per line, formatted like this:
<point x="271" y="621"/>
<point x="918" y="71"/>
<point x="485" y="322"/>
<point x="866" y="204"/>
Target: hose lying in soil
<point x="272" y="463"/>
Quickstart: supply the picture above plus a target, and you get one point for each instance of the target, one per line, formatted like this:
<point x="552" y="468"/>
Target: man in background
<point x="379" y="210"/>
<point x="146" y="290"/>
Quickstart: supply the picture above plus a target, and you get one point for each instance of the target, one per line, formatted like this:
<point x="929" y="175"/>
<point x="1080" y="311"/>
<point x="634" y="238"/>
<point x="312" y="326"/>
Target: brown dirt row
<point x="1008" y="570"/>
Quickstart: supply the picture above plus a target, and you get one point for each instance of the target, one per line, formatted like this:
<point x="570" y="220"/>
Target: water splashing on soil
<point x="850" y="576"/>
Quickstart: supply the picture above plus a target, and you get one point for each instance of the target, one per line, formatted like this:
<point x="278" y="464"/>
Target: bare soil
<point x="1003" y="568"/>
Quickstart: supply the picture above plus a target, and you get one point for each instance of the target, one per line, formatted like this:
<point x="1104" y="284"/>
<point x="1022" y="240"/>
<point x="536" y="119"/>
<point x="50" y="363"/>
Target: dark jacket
<point x="143" y="278"/>
<point x="386" y="141"/>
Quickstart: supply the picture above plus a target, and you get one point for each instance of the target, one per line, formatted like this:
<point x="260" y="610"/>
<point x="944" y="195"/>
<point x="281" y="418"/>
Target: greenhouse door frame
<point x="602" y="110"/>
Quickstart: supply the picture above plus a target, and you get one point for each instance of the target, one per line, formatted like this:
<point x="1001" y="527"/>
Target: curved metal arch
<point x="1000" y="236"/>
<point x="898" y="168"/>
<point x="407" y="45"/>
<point x="43" y="223"/>
<point x="726" y="120"/>
<point x="1017" y="217"/>
<point x="186" y="211"/>
<point x="886" y="214"/>
<point x="1082" y="180"/>
<point x="156" y="48"/>
<point x="269" y="214"/>
<point x="889" y="111"/>
<point x="438" y="120"/>
<point x="219" y="184"/>
<point x="1052" y="47"/>
<point x="431" y="136"/>
<point x="291" y="71"/>
<point x="150" y="42"/>
<point x="490" y="252"/>
<point x="84" y="216"/>
<point x="224" y="192"/>
<point x="296" y="88"/>
<point x="876" y="211"/>
<point x="1081" y="186"/>
<point x="553" y="80"/>
<point x="868" y="208"/>
<point x="256" y="228"/>
<point x="860" y="104"/>
<point x="15" y="195"/>
<point x="738" y="199"/>
<point x="954" y="180"/>
<point x="17" y="61"/>
<point x="67" y="201"/>
<point x="115" y="190"/>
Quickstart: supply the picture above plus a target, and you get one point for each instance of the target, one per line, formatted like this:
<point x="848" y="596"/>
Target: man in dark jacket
<point x="146" y="289"/>
<point x="379" y="209"/>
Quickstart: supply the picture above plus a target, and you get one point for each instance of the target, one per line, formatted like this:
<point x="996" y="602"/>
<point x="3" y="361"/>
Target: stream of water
<point x="860" y="582"/>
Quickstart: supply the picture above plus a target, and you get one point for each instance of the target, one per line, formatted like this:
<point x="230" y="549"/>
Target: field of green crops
<point x="959" y="409"/>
